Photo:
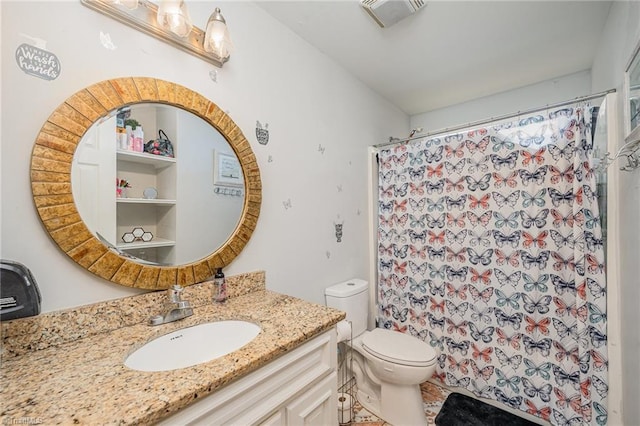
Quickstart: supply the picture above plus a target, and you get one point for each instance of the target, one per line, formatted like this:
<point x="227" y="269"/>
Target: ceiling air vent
<point x="388" y="12"/>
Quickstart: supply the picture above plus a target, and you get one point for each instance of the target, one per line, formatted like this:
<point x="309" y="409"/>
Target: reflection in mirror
<point x="173" y="199"/>
<point x="51" y="184"/>
<point x="634" y="92"/>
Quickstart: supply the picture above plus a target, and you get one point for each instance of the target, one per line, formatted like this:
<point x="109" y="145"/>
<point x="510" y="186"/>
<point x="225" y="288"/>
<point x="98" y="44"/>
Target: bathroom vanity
<point x="68" y="367"/>
<point x="298" y="388"/>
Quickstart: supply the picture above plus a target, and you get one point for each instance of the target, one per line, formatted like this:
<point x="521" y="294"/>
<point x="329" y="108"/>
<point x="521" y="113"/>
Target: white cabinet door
<point x="317" y="406"/>
<point x="276" y="419"/>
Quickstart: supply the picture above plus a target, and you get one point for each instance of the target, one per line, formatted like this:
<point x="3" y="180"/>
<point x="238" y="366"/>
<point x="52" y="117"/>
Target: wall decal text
<point x="37" y="62"/>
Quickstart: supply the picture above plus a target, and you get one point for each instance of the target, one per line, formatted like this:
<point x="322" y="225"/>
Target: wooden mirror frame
<point x="51" y="162"/>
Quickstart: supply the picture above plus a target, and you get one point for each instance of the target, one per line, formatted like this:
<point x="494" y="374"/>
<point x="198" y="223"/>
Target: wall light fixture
<point x="174" y="16"/>
<point x="170" y="22"/>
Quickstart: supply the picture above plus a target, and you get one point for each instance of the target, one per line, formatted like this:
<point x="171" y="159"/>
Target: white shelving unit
<point x="157" y="161"/>
<point x="156" y="242"/>
<point x="154" y="202"/>
<point x="158" y="216"/>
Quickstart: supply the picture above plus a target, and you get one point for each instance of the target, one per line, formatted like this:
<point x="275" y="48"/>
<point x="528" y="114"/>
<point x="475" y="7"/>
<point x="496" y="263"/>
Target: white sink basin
<point x="192" y="345"/>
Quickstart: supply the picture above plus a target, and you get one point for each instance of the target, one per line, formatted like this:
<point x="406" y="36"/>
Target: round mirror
<point x="162" y="172"/>
<point x="166" y="203"/>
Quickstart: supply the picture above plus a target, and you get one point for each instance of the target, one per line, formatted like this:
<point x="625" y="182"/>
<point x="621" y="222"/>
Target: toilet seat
<point x="398" y="348"/>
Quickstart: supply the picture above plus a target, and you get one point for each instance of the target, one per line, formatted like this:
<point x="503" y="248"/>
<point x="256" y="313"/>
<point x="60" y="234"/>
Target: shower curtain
<point x="490" y="249"/>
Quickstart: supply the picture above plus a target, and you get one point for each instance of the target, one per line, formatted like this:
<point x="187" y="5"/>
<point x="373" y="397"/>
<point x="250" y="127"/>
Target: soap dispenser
<point x="219" y="287"/>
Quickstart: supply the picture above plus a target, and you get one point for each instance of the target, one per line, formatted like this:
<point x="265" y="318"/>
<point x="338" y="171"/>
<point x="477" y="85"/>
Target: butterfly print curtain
<point x="490" y="249"/>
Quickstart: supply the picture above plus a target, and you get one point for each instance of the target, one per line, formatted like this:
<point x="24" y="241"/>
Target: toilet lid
<point x="398" y="348"/>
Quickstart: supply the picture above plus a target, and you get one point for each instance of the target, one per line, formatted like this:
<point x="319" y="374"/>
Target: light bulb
<point x="216" y="39"/>
<point x="174" y="16"/>
<point x="129" y="4"/>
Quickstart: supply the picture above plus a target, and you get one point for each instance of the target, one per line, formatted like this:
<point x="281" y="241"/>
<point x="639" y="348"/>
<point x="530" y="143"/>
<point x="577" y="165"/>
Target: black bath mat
<point x="461" y="410"/>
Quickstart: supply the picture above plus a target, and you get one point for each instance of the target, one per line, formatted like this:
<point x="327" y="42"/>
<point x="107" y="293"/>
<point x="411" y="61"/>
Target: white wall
<point x="273" y="76"/>
<point x="536" y="95"/>
<point x="620" y="36"/>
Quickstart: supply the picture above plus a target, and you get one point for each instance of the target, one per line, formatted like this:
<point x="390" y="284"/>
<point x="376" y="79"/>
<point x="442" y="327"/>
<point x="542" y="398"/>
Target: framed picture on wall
<point x="226" y="170"/>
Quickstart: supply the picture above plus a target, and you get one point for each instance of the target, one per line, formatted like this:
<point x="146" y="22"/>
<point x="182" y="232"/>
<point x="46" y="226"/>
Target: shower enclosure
<point x="490" y="248"/>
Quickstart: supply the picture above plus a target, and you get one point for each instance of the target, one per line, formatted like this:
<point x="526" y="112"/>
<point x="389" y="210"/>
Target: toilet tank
<point x="351" y="297"/>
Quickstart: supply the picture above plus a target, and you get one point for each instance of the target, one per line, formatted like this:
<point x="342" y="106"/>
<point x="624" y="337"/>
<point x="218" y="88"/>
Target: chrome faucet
<point x="175" y="308"/>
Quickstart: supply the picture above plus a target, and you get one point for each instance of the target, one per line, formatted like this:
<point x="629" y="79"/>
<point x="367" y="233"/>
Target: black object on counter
<point x="19" y="293"/>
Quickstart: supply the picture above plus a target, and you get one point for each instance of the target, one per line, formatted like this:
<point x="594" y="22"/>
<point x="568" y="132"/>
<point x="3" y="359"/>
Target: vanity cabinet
<point x="298" y="388"/>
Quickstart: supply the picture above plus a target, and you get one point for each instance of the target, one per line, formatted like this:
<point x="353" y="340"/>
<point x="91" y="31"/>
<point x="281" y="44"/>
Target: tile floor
<point x="433" y="397"/>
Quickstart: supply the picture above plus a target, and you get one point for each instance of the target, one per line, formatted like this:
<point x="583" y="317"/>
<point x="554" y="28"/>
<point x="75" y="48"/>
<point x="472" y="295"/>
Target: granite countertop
<point x="84" y="381"/>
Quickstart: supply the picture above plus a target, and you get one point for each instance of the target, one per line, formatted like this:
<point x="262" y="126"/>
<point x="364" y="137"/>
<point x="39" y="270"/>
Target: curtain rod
<point x="393" y="141"/>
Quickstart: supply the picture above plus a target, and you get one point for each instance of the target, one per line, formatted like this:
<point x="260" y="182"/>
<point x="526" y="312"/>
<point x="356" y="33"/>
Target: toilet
<point x="388" y="365"/>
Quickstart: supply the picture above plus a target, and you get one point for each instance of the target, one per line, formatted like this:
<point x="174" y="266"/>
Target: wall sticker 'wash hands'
<point x="37" y="62"/>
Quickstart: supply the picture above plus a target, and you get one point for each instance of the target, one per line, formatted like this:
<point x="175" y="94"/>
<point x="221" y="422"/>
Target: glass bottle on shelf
<point x="129" y="138"/>
<point x="138" y="139"/>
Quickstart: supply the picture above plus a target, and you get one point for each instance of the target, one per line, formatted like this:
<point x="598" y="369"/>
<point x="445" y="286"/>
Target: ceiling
<point x="450" y="52"/>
